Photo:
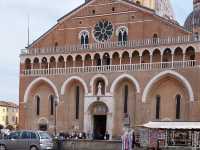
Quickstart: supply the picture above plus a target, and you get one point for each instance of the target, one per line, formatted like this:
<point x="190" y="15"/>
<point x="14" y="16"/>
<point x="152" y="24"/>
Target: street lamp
<point x="56" y="101"/>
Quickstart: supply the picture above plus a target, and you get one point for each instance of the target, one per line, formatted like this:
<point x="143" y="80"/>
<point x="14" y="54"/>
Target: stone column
<point x="151" y="59"/>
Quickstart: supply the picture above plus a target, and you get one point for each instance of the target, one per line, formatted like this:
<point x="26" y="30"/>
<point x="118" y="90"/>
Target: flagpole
<point x="28" y="31"/>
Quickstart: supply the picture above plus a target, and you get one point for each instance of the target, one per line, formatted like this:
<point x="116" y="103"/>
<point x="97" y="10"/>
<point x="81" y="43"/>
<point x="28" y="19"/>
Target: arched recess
<point x="124" y="91"/>
<point x="52" y="62"/>
<point x="43" y="124"/>
<point x="27" y="64"/>
<point x="190" y="53"/>
<point x="88" y="60"/>
<point x="69" y="61"/>
<point x="146" y="57"/>
<point x="118" y="79"/>
<point x="167" y="55"/>
<point x="73" y="92"/>
<point x="178" y="76"/>
<point x="125" y="58"/>
<point x="37" y="80"/>
<point x="135" y="57"/>
<point x="78" y="61"/>
<point x="94" y="78"/>
<point x="61" y="62"/>
<point x="36" y="63"/>
<point x="74" y="78"/>
<point x="156" y="56"/>
<point x="115" y="58"/>
<point x="178" y="54"/>
<point x="40" y="87"/>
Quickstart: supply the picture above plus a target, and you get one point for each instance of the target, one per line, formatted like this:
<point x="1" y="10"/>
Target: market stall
<point x="169" y="134"/>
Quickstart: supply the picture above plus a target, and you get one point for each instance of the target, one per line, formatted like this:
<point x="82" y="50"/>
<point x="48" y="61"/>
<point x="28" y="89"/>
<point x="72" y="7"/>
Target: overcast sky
<point x="43" y="14"/>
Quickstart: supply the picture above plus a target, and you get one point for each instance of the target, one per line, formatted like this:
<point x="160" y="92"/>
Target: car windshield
<point x="44" y="135"/>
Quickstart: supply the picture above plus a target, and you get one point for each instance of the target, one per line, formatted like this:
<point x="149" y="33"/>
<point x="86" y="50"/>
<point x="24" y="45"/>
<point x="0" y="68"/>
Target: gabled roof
<point x="142" y="8"/>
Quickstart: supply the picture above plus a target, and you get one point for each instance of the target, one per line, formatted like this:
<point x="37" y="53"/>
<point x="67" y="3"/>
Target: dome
<point x="193" y="20"/>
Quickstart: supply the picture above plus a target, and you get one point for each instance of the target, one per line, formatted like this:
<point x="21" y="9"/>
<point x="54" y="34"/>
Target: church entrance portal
<point x="99" y="126"/>
<point x="43" y="127"/>
<point x="99" y="120"/>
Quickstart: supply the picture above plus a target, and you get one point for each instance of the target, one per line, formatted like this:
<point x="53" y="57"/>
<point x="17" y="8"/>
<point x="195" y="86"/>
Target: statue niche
<point x="99" y="87"/>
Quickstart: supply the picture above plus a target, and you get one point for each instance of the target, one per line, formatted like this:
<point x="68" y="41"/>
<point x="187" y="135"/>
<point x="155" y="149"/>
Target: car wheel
<point x="2" y="147"/>
<point x="32" y="148"/>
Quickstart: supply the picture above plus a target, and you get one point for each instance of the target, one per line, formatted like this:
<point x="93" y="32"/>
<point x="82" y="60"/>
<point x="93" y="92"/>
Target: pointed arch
<point x="74" y="78"/>
<point x="48" y="81"/>
<point x="135" y="82"/>
<point x="164" y="73"/>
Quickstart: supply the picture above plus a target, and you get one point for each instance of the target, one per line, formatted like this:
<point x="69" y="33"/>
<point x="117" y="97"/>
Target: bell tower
<point x="196" y="4"/>
<point x="163" y="8"/>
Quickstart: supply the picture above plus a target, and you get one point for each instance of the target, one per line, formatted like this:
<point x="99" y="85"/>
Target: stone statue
<point x="99" y="89"/>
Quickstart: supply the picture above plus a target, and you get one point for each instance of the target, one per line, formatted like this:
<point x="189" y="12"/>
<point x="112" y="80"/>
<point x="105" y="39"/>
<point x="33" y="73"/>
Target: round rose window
<point x="103" y="31"/>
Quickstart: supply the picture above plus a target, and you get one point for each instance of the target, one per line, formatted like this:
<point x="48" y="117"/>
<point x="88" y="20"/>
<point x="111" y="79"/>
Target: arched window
<point x="27" y="64"/>
<point x="84" y="37"/>
<point x="44" y="64"/>
<point x="158" y="107"/>
<point x="77" y="101"/>
<point x="106" y="59"/>
<point x="37" y="105"/>
<point x="178" y="106"/>
<point x="196" y="36"/>
<point x="51" y="99"/>
<point x="126" y="99"/>
<point x="122" y="33"/>
<point x="36" y="63"/>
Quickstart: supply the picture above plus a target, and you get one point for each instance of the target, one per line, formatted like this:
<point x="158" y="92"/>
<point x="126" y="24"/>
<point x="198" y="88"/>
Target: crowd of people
<point x="81" y="135"/>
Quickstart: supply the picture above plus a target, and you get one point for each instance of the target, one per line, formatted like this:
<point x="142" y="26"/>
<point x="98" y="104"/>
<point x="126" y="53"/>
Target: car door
<point x="12" y="141"/>
<point x="34" y="140"/>
<point x="24" y="141"/>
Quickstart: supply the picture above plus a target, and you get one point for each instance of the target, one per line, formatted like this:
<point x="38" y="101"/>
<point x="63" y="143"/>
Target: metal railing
<point x="111" y="45"/>
<point x="112" y="68"/>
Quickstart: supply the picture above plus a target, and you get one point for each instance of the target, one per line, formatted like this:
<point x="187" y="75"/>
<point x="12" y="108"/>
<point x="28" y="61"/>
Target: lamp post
<point x="55" y="114"/>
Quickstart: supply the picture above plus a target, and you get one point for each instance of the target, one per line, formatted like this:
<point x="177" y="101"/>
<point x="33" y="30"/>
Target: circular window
<point x="103" y="31"/>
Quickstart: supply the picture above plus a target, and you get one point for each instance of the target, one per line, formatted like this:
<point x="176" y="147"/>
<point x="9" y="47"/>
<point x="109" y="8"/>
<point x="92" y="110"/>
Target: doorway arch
<point x="98" y="114"/>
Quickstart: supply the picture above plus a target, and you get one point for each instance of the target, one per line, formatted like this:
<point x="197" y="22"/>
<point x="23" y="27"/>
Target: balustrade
<point x="110" y="45"/>
<point x="112" y="68"/>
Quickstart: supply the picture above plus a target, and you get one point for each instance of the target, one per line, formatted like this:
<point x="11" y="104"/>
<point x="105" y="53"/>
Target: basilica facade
<point x="109" y="63"/>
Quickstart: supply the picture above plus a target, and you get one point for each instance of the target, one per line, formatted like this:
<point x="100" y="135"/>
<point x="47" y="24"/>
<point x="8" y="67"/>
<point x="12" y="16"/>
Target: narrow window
<point x="38" y="105"/>
<point x="155" y="39"/>
<point x="120" y="37"/>
<point x="125" y="37"/>
<point x="113" y="9"/>
<point x="126" y="99"/>
<point x="196" y="35"/>
<point x="51" y="105"/>
<point x="93" y="12"/>
<point x="157" y="107"/>
<point x="178" y="106"/>
<point x="77" y="101"/>
<point x="84" y="39"/>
